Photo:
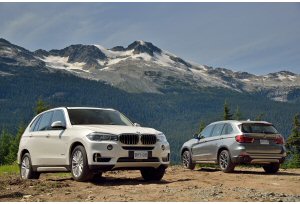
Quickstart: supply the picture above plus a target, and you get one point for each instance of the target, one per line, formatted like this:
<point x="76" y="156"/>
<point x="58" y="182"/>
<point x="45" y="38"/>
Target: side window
<point x="207" y="131"/>
<point x="227" y="129"/>
<point x="34" y="124"/>
<point x="44" y="123"/>
<point x="217" y="130"/>
<point x="58" y="115"/>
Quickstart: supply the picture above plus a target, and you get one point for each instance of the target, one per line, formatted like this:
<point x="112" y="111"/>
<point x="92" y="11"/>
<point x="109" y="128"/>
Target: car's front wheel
<point x="153" y="174"/>
<point x="79" y="165"/>
<point x="187" y="160"/>
<point x="225" y="162"/>
<point x="271" y="168"/>
<point x="26" y="170"/>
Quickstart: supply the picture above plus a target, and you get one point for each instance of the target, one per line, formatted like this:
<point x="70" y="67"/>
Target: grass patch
<point x="9" y="169"/>
<point x="207" y="165"/>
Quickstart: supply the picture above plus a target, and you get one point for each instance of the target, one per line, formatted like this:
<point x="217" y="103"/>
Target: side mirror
<point x="58" y="125"/>
<point x="196" y="136"/>
<point x="136" y="125"/>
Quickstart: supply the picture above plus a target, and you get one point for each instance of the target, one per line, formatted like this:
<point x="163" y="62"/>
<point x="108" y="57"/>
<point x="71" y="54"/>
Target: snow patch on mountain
<point x="143" y="67"/>
<point x="5" y="74"/>
<point x="58" y="62"/>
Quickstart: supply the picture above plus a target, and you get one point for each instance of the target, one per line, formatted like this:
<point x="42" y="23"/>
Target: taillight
<point x="279" y="140"/>
<point x="244" y="139"/>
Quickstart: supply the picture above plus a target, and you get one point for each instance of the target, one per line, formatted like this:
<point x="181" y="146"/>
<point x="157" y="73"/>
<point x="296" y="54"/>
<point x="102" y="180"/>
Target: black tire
<point x="83" y="173"/>
<point x="225" y="162"/>
<point x="153" y="174"/>
<point x="271" y="168"/>
<point x="186" y="159"/>
<point x="26" y="170"/>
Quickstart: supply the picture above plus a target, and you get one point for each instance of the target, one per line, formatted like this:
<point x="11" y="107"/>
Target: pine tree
<point x="14" y="145"/>
<point x="227" y="115"/>
<point x="5" y="141"/>
<point x="41" y="106"/>
<point x="201" y="127"/>
<point x="293" y="143"/>
<point x="259" y="117"/>
<point x="237" y="114"/>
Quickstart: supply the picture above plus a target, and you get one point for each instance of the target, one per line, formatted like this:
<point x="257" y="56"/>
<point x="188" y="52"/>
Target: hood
<point x="118" y="129"/>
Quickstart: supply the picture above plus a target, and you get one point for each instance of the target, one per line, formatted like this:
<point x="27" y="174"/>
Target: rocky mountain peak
<point x="143" y="47"/>
<point x="124" y="67"/>
<point x="3" y="41"/>
<point x="80" y="53"/>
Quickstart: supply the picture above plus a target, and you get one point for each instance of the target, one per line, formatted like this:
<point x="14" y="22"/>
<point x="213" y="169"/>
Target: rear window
<point x="227" y="129"/>
<point x="258" y="128"/>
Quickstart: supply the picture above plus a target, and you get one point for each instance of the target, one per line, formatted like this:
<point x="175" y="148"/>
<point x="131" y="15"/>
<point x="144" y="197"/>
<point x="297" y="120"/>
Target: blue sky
<point x="254" y="37"/>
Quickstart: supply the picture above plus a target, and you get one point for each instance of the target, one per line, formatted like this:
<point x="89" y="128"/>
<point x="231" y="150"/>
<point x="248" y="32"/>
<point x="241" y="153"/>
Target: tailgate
<point x="263" y="143"/>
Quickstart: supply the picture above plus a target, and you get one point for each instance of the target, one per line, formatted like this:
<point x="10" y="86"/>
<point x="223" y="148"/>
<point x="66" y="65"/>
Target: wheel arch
<point x="185" y="149"/>
<point x="24" y="151"/>
<point x="72" y="147"/>
<point x="220" y="150"/>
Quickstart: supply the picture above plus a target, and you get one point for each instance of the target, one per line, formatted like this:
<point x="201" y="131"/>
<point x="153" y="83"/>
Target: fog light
<point x="97" y="156"/>
<point x="109" y="147"/>
<point x="163" y="147"/>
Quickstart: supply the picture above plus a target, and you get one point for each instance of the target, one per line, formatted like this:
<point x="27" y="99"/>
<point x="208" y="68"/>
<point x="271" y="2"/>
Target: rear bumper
<point x="259" y="158"/>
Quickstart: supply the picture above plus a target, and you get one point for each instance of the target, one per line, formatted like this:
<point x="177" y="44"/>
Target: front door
<point x="200" y="148"/>
<point x="57" y="141"/>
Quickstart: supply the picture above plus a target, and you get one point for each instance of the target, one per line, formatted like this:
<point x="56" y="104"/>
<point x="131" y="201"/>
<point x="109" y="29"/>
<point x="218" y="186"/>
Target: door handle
<point x="48" y="135"/>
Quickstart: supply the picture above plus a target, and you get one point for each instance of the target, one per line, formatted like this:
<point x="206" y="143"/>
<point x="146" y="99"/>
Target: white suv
<point x="89" y="141"/>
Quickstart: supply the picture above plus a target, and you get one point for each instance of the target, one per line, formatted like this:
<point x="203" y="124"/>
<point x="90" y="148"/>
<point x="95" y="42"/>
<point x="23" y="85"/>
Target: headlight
<point x="161" y="137"/>
<point x="98" y="136"/>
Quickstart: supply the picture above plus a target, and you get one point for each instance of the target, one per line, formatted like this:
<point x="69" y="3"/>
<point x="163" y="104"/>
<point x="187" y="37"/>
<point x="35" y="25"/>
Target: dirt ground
<point x="178" y="184"/>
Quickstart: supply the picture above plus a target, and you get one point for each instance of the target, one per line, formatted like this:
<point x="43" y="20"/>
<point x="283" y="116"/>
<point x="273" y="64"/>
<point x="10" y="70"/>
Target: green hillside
<point x="177" y="112"/>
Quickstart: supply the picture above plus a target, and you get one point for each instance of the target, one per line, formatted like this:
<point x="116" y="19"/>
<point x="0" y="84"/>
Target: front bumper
<point x="112" y="155"/>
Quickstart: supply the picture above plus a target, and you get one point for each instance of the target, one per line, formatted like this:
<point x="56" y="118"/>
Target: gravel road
<point x="205" y="184"/>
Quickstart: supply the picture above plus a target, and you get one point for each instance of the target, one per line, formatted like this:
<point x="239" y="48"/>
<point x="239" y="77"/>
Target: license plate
<point x="264" y="142"/>
<point x="140" y="155"/>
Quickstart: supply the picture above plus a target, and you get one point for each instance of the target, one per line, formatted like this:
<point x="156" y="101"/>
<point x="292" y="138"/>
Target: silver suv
<point x="89" y="141"/>
<point x="229" y="143"/>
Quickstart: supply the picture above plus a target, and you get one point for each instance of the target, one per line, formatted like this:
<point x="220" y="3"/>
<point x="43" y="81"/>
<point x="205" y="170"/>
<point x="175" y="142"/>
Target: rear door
<point x="38" y="145"/>
<point x="264" y="138"/>
<point x="213" y="141"/>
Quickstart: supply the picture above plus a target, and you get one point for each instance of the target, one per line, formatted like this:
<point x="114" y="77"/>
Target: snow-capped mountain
<point x="143" y="67"/>
<point x="15" y="55"/>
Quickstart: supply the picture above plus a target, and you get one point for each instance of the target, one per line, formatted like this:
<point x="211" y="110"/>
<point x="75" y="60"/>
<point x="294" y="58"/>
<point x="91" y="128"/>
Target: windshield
<point x="97" y="117"/>
<point x="258" y="128"/>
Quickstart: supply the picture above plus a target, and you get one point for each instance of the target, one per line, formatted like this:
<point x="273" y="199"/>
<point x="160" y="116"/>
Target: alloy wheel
<point x="224" y="159"/>
<point x="77" y="163"/>
<point x="186" y="159"/>
<point x="25" y="167"/>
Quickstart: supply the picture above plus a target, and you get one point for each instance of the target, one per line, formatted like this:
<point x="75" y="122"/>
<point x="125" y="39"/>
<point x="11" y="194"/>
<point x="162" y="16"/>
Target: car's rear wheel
<point x="187" y="160"/>
<point x="79" y="165"/>
<point x="153" y="174"/>
<point x="26" y="170"/>
<point x="271" y="168"/>
<point x="225" y="162"/>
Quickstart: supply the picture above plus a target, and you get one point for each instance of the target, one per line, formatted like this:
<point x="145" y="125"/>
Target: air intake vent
<point x="148" y="139"/>
<point x="129" y="139"/>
